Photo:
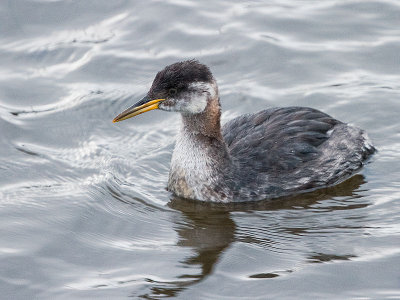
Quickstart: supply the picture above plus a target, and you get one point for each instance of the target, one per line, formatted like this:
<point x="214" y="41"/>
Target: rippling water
<point x="84" y="213"/>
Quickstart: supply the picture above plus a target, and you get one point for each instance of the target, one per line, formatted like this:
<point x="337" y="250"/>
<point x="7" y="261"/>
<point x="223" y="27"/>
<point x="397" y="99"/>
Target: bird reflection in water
<point x="210" y="229"/>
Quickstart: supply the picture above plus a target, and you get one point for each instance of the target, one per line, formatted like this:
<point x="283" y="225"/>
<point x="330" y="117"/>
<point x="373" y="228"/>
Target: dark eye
<point x="172" y="92"/>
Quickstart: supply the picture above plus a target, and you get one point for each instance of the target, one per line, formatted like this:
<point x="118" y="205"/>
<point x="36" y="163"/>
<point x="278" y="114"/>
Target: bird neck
<point x="204" y="131"/>
<point x="206" y="123"/>
<point x="200" y="161"/>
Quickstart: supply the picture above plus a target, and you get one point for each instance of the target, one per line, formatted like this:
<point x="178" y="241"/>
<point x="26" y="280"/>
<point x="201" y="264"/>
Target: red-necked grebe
<point x="272" y="153"/>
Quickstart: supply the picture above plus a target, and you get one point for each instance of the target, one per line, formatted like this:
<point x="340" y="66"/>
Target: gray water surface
<point x="84" y="213"/>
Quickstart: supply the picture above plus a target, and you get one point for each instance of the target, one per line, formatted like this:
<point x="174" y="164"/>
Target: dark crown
<point x="179" y="75"/>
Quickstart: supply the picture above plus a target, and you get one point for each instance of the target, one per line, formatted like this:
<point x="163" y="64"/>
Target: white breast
<point x="191" y="170"/>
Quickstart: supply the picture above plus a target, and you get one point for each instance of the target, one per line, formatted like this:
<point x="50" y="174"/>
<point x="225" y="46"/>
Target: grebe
<point x="268" y="154"/>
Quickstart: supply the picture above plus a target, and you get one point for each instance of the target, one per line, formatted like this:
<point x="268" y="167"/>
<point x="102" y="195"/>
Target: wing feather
<point x="278" y="138"/>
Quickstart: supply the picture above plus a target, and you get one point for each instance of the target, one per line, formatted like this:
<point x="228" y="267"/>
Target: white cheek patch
<point x="194" y="101"/>
<point x="205" y="87"/>
<point x="162" y="106"/>
<point x="198" y="102"/>
<point x="194" y="106"/>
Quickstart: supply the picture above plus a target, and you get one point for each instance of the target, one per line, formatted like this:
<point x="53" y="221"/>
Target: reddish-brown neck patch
<point x="207" y="123"/>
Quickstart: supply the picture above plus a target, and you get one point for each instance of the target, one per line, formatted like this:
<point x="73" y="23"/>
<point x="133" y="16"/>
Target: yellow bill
<point x="142" y="106"/>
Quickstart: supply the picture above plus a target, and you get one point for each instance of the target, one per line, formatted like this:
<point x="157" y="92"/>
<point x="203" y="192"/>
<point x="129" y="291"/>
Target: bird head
<point x="184" y="87"/>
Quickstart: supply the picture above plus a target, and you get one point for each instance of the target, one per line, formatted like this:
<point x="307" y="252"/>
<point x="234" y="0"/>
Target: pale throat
<point x="191" y="167"/>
